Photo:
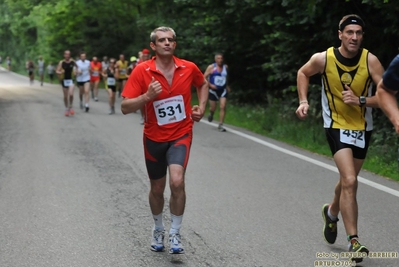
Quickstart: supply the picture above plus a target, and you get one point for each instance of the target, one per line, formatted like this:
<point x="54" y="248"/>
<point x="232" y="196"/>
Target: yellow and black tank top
<point x="355" y="73"/>
<point x="122" y="69"/>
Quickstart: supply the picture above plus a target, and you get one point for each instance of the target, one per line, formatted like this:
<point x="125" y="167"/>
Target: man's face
<point x="351" y="38"/>
<point x="145" y="57"/>
<point x="165" y="44"/>
<point x="219" y="60"/>
<point x="122" y="57"/>
<point x="83" y="56"/>
<point x="105" y="59"/>
<point x="95" y="59"/>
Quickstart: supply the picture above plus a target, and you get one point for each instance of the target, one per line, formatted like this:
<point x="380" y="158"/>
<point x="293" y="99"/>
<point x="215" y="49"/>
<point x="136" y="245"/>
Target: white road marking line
<point x="305" y="158"/>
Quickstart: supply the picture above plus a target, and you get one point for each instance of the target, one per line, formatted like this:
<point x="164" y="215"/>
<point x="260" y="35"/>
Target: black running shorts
<point x="158" y="156"/>
<point x="82" y="83"/>
<point x="112" y="87"/>
<point x="333" y="138"/>
<point x="214" y="95"/>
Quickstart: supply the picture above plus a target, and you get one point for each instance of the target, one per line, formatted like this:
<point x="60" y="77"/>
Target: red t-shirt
<point x="168" y="117"/>
<point x="96" y="69"/>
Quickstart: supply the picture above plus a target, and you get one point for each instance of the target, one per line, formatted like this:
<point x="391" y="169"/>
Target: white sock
<point x="87" y="104"/>
<point x="175" y="223"/>
<point x="332" y="217"/>
<point x="158" y="221"/>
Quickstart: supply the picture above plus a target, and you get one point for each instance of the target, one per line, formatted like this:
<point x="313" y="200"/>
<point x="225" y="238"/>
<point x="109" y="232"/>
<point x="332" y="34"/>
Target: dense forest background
<point x="264" y="41"/>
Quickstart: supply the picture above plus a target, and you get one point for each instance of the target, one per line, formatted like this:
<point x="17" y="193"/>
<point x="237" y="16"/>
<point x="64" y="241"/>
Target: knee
<point x="157" y="189"/>
<point x="177" y="184"/>
<point x="349" y="183"/>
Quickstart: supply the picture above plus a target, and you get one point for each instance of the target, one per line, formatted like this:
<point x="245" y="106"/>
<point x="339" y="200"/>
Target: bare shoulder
<point x="209" y="69"/>
<point x="316" y="64"/>
<point x="319" y="59"/>
<point x="373" y="60"/>
<point x="375" y="68"/>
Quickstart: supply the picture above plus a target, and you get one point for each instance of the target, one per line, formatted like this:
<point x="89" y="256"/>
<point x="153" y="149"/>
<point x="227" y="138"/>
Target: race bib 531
<point x="170" y="110"/>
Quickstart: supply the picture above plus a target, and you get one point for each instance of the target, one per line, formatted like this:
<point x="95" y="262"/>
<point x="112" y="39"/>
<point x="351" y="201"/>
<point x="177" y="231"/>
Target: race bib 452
<point x="352" y="137"/>
<point x="170" y="110"/>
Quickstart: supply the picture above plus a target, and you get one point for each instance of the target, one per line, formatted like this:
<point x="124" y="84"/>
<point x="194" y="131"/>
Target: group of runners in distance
<point x="88" y="75"/>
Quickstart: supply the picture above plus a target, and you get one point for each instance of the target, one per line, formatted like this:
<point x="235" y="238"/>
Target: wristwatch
<point x="362" y="100"/>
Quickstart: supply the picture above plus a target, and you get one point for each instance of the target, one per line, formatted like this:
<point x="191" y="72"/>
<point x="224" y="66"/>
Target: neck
<point x="347" y="54"/>
<point x="164" y="62"/>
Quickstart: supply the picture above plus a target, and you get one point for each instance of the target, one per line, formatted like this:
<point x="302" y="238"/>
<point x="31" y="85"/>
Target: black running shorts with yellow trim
<point x="159" y="155"/>
<point x="333" y="138"/>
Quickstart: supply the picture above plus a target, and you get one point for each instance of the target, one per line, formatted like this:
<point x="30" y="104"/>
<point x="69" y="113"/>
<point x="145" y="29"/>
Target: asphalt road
<point x="73" y="192"/>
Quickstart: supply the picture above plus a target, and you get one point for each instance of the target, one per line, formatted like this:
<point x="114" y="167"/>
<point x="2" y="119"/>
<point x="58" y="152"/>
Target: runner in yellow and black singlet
<point x="121" y="68"/>
<point x="347" y="73"/>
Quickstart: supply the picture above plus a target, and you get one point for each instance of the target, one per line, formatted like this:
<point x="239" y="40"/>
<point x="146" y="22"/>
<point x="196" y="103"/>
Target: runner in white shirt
<point x="83" y="80"/>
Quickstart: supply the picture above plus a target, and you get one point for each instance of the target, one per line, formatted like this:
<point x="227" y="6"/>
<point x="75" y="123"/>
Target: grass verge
<point x="283" y="125"/>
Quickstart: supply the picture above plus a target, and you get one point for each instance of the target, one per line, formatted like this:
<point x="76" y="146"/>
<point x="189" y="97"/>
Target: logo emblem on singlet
<point x="346" y="78"/>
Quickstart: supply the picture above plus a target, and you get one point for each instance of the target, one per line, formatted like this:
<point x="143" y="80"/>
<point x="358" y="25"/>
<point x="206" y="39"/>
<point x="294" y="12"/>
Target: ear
<point x="152" y="45"/>
<point x="339" y="34"/>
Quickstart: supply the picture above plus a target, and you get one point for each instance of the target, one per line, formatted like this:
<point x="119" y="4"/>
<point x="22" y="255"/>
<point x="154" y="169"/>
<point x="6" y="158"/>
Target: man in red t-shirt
<point x="162" y="86"/>
<point x="95" y="72"/>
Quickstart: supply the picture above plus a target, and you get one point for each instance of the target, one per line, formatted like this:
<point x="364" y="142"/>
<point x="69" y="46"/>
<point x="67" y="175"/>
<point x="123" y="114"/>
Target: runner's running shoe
<point x="175" y="246"/>
<point x="359" y="250"/>
<point x="330" y="227"/>
<point x="158" y="237"/>
<point x="67" y="113"/>
<point x="210" y="117"/>
<point x="71" y="111"/>
<point x="221" y="128"/>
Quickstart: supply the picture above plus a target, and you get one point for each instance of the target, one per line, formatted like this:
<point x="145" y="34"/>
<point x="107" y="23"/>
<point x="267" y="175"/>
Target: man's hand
<point x="197" y="113"/>
<point x="154" y="89"/>
<point x="302" y="110"/>
<point x="212" y="86"/>
<point x="349" y="97"/>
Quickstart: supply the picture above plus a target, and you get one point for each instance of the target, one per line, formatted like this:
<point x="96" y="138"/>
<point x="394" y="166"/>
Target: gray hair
<point x="218" y="54"/>
<point x="161" y="29"/>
